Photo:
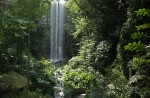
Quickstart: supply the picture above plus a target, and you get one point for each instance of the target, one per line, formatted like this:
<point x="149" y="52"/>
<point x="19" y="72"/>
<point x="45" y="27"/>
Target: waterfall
<point x="57" y="30"/>
<point x="57" y="41"/>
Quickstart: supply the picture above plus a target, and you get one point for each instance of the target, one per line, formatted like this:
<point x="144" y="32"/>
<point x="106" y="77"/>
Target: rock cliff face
<point x="12" y="81"/>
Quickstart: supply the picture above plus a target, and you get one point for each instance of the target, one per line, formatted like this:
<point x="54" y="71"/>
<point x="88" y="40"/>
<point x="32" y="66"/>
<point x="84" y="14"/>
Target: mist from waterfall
<point x="57" y="30"/>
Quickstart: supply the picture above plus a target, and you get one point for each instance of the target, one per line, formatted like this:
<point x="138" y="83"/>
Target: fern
<point x="143" y="12"/>
<point x="135" y="78"/>
<point x="135" y="46"/>
<point x="142" y="27"/>
<point x="138" y="61"/>
<point x="138" y="35"/>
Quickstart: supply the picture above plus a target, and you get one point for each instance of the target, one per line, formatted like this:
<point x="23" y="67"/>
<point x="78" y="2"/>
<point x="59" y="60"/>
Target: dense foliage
<point x="107" y="48"/>
<point x="113" y="38"/>
<point x="23" y="29"/>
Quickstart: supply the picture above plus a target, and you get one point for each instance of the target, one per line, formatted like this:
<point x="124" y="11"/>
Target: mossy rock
<point x="12" y="81"/>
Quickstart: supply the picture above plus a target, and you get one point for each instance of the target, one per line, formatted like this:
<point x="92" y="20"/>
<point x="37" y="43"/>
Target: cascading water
<point x="57" y="30"/>
<point x="57" y="41"/>
<point x="58" y="88"/>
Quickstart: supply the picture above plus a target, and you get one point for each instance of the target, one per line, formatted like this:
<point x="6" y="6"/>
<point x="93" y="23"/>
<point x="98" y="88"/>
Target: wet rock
<point x="80" y="96"/>
<point x="79" y="93"/>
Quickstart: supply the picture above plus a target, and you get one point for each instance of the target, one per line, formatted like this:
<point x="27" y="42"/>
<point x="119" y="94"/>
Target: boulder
<point x="12" y="81"/>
